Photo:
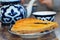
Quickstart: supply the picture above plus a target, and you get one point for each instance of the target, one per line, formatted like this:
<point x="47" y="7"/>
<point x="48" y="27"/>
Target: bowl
<point x="45" y="15"/>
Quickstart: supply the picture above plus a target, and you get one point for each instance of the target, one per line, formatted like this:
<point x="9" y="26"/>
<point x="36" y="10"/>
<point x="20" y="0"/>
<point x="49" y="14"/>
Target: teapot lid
<point x="9" y="0"/>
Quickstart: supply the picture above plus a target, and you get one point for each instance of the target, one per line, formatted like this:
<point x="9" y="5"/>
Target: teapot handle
<point x="29" y="8"/>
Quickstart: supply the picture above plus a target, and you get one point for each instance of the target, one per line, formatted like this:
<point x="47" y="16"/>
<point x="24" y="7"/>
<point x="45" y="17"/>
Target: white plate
<point x="32" y="35"/>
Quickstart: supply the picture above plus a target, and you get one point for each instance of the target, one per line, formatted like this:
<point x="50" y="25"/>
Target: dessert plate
<point x="31" y="35"/>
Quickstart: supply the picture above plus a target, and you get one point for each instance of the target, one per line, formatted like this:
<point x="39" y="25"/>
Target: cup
<point x="45" y="15"/>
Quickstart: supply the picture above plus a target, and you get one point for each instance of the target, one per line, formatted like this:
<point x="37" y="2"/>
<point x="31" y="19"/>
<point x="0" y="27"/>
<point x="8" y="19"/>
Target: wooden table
<point x="5" y="35"/>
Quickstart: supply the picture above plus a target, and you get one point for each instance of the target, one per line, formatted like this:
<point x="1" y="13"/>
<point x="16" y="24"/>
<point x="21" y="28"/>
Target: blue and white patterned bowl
<point x="45" y="15"/>
<point x="12" y="13"/>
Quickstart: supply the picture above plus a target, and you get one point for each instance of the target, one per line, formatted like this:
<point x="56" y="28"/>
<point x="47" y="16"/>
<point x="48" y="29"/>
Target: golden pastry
<point x="32" y="25"/>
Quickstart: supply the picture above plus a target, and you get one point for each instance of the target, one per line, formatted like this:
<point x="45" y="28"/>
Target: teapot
<point x="13" y="11"/>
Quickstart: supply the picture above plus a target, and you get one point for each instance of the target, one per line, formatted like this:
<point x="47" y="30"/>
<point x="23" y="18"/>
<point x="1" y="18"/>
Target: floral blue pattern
<point x="47" y="17"/>
<point x="12" y="13"/>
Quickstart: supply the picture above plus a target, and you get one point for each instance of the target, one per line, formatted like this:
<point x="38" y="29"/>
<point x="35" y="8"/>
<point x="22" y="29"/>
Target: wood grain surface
<point x="5" y="35"/>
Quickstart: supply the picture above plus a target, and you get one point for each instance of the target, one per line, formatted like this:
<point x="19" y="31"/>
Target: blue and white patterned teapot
<point x="13" y="11"/>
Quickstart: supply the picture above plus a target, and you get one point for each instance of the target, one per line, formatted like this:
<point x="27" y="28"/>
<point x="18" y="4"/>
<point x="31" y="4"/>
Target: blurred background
<point x="38" y="7"/>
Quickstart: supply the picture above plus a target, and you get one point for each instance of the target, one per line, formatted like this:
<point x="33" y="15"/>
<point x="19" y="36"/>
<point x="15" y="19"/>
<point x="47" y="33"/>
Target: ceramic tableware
<point x="13" y="11"/>
<point x="45" y="15"/>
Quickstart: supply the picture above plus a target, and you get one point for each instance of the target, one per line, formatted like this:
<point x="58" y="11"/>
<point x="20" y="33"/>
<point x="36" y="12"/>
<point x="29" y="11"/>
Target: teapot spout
<point x="29" y="8"/>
